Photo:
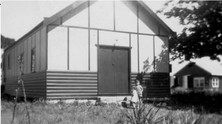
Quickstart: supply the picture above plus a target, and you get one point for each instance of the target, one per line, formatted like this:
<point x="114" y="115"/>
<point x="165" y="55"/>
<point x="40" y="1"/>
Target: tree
<point x="202" y="35"/>
<point x="6" y="42"/>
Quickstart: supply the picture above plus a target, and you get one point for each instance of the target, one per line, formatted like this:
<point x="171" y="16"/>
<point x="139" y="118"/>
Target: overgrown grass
<point x="60" y="113"/>
<point x="87" y="113"/>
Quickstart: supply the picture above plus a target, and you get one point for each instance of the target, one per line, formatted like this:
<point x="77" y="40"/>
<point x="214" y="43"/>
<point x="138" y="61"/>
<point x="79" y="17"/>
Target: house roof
<point x="156" y="17"/>
<point x="211" y="66"/>
<point x="75" y="5"/>
<point x="78" y="3"/>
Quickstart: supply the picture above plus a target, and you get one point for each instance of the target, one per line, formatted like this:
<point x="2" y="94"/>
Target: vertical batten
<point x="154" y="59"/>
<point x="114" y="15"/>
<point x="89" y="61"/>
<point x="46" y="47"/>
<point x="98" y="59"/>
<point x="138" y="53"/>
<point x="68" y="49"/>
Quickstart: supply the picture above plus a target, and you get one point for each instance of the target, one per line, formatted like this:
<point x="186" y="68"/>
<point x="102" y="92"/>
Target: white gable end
<point x="113" y="23"/>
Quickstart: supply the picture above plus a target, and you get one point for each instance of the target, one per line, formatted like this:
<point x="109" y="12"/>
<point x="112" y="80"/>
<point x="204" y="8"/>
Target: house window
<point x="22" y="62"/>
<point x="9" y="65"/>
<point x="199" y="82"/>
<point x="33" y="60"/>
<point x="215" y="82"/>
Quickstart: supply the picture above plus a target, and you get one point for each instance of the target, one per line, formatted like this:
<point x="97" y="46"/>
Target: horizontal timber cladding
<point x="71" y="84"/>
<point x="156" y="85"/>
<point x="34" y="83"/>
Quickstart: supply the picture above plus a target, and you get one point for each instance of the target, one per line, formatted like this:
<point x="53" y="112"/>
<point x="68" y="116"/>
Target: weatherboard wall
<point x="33" y="81"/>
<point x="71" y="84"/>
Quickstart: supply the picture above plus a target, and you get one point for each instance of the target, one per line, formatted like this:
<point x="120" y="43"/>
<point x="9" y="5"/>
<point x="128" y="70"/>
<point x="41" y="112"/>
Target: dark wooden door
<point x="114" y="70"/>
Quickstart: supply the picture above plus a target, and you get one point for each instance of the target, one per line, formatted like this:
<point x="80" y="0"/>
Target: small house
<point x="195" y="77"/>
<point x="92" y="49"/>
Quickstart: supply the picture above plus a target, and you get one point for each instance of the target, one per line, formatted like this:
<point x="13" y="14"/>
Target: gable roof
<point x="77" y="4"/>
<point x="156" y="17"/>
<point x="191" y="64"/>
<point x="212" y="67"/>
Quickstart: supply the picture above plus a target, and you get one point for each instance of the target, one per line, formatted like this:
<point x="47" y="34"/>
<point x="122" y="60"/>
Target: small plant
<point x="17" y="92"/>
<point x="185" y="118"/>
<point x="143" y="115"/>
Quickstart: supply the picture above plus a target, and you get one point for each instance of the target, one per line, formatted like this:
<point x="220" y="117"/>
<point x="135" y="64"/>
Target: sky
<point x="19" y="17"/>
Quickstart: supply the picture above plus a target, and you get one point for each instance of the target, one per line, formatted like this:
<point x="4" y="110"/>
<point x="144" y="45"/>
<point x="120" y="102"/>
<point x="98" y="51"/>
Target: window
<point x="9" y="65"/>
<point x="22" y="62"/>
<point x="199" y="82"/>
<point x="196" y="83"/>
<point x="33" y="60"/>
<point x="215" y="82"/>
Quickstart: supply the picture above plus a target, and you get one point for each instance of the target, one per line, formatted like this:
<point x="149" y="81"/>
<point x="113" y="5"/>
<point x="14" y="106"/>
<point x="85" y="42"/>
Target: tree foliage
<point x="202" y="33"/>
<point x="6" y="42"/>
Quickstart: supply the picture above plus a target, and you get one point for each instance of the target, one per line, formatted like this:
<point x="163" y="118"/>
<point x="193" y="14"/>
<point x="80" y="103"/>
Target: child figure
<point x="135" y="98"/>
<point x="139" y="89"/>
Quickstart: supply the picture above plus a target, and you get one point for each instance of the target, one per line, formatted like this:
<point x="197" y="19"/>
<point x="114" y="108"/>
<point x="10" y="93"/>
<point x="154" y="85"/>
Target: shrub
<point x="142" y="114"/>
<point x="202" y="101"/>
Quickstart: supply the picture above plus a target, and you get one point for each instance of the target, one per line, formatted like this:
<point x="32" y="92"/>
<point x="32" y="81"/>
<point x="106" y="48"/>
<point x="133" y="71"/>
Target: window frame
<point x="215" y="82"/>
<point x="198" y="81"/>
<point x="33" y="63"/>
<point x="22" y="59"/>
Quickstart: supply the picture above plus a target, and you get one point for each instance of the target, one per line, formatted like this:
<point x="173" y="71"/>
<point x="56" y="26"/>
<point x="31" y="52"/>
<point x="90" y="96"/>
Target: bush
<point x="143" y="114"/>
<point x="203" y="101"/>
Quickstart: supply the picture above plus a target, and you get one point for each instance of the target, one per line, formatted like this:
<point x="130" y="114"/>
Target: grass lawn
<point x="87" y="113"/>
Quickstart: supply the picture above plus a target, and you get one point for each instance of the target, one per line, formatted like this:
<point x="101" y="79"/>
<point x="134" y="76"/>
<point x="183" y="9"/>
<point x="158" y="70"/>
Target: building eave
<point x="27" y="34"/>
<point x="171" y="32"/>
<point x="194" y="64"/>
<point x="75" y="5"/>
